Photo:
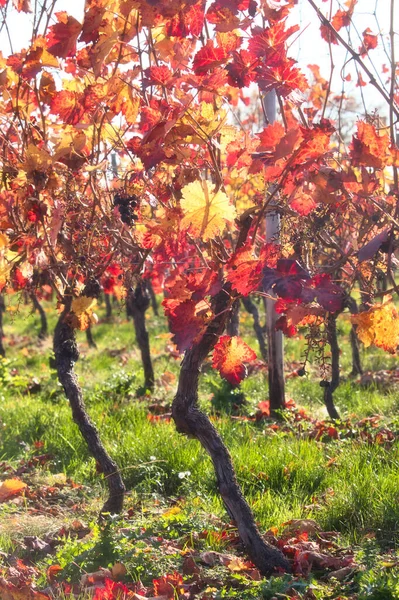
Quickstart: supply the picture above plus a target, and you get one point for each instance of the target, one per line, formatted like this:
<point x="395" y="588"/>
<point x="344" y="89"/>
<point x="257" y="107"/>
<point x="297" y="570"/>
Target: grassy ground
<point x="343" y="479"/>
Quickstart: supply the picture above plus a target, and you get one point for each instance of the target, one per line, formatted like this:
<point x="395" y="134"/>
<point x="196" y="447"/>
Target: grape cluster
<point x="126" y="205"/>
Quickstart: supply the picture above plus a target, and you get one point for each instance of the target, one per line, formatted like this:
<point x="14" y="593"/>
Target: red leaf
<point x="208" y="58"/>
<point x="69" y="106"/>
<point x="244" y="270"/>
<point x="229" y="356"/>
<point x="187" y="22"/>
<point x="170" y="585"/>
<point x="270" y="42"/>
<point x="242" y="69"/>
<point x="159" y="75"/>
<point x="111" y="591"/>
<point x="188" y="322"/>
<point x="328" y="34"/>
<point x="303" y="204"/>
<point x="342" y="18"/>
<point x="63" y="35"/>
<point x="370" y="41"/>
<point x="282" y="77"/>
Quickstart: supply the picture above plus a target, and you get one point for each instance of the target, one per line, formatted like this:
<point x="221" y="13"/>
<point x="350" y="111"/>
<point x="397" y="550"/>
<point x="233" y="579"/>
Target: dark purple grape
<point x="126" y="205"/>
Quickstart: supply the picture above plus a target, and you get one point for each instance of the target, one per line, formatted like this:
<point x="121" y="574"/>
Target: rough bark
<point x="251" y="307"/>
<point x="233" y="321"/>
<point x="43" y="319"/>
<point x="190" y="420"/>
<point x="332" y="385"/>
<point x="137" y="303"/>
<point x="66" y="354"/>
<point x="356" y="362"/>
<point x="2" y="311"/>
<point x="108" y="306"/>
<point x="90" y="338"/>
<point x="153" y="298"/>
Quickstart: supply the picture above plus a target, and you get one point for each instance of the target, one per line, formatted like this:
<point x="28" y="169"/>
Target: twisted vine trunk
<point x="153" y="298"/>
<point x="2" y="311"/>
<point x="89" y="337"/>
<point x="356" y="362"/>
<point x="108" y="306"/>
<point x="252" y="309"/>
<point x="137" y="303"/>
<point x="190" y="420"/>
<point x="43" y="333"/>
<point x="332" y="385"/>
<point x="66" y="354"/>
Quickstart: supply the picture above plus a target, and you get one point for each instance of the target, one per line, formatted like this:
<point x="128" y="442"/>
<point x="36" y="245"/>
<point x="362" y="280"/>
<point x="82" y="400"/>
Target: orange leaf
<point x="10" y="488"/>
<point x="229" y="356"/>
<point x="52" y="572"/>
<point x="236" y="565"/>
<point x="379" y="326"/>
<point x="369" y="148"/>
<point x="370" y="41"/>
<point x="23" y="5"/>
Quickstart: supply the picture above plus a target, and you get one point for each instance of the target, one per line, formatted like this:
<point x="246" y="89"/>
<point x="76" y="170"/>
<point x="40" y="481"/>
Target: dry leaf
<point x="10" y="488"/>
<point x="118" y="571"/>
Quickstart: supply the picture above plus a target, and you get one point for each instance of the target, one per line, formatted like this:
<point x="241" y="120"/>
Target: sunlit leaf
<point x="82" y="315"/>
<point x="206" y="211"/>
<point x="10" y="488"/>
<point x="379" y="326"/>
<point x="63" y="35"/>
<point x="229" y="356"/>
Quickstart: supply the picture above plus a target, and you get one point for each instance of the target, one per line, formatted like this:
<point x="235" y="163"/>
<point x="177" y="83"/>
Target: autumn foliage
<point x="140" y="83"/>
<point x="137" y="146"/>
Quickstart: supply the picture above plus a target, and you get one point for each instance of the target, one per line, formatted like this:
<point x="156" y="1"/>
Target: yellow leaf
<point x="36" y="159"/>
<point x="70" y="142"/>
<point x="206" y="212"/>
<point x="10" y="488"/>
<point x="236" y="565"/>
<point x="175" y="510"/>
<point x="3" y="241"/>
<point x="100" y="51"/>
<point x="379" y="326"/>
<point x="119" y="292"/>
<point x="81" y="315"/>
<point x="7" y="259"/>
<point x="82" y="304"/>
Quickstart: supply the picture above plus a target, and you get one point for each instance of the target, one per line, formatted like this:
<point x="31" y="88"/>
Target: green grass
<point x="346" y="485"/>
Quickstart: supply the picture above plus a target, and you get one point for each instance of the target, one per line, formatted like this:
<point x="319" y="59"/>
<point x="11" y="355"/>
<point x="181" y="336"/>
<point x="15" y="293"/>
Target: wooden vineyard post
<point x="275" y="347"/>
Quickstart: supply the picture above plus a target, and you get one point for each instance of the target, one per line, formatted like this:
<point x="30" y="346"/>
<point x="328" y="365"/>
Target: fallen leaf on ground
<point x="52" y="572"/>
<point x="90" y="578"/>
<point x="10" y="488"/>
<point x="118" y="570"/>
<point x="9" y="591"/>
